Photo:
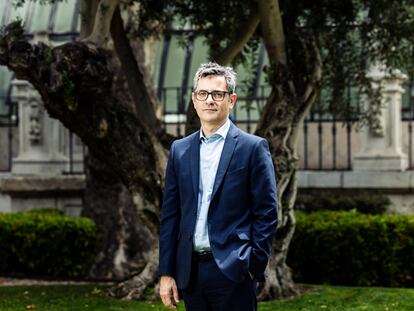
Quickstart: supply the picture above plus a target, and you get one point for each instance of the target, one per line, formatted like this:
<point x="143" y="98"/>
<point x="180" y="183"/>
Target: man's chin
<point x="209" y="119"/>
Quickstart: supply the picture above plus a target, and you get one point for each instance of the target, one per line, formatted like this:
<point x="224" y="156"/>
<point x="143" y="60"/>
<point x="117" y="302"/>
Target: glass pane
<point x="173" y="74"/>
<point x="175" y="64"/>
<point x="64" y="16"/>
<point x="157" y="65"/>
<point x="199" y="57"/>
<point x="3" y="9"/>
<point x="41" y="17"/>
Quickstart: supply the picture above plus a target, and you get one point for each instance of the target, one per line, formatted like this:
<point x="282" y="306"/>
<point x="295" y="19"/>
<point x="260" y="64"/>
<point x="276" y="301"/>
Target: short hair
<point x="214" y="69"/>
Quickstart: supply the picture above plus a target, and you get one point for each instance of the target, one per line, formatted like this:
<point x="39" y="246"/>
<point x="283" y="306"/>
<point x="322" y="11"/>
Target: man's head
<point x="214" y="93"/>
<point x="214" y="69"/>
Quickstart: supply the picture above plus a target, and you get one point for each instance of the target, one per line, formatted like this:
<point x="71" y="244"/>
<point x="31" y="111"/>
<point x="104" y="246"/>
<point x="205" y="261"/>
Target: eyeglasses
<point x="216" y="95"/>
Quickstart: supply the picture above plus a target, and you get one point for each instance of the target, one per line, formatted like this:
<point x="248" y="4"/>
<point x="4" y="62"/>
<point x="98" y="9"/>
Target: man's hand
<point x="169" y="292"/>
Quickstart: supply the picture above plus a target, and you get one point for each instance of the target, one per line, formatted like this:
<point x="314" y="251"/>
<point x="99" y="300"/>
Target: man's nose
<point x="210" y="98"/>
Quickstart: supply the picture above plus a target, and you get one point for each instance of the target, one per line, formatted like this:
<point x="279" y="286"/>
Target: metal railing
<point x="325" y="143"/>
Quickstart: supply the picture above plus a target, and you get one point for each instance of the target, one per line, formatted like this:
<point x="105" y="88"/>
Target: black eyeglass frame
<point x="212" y="93"/>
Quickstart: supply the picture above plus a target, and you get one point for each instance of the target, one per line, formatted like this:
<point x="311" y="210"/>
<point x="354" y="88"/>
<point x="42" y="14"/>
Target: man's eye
<point x="202" y="93"/>
<point x="218" y="94"/>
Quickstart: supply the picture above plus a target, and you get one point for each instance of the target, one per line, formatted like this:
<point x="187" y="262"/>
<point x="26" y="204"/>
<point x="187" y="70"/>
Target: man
<point x="219" y="211"/>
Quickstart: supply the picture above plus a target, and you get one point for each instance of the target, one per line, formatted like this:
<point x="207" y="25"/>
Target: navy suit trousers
<point x="210" y="290"/>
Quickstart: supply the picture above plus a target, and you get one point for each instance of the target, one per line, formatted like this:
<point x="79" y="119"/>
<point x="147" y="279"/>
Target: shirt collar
<point x="222" y="131"/>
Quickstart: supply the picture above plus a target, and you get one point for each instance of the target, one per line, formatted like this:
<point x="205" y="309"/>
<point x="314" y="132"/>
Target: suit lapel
<point x="195" y="162"/>
<point x="226" y="155"/>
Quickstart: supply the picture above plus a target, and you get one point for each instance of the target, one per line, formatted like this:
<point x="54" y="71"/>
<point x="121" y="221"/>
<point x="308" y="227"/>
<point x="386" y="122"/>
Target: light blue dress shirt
<point x="210" y="154"/>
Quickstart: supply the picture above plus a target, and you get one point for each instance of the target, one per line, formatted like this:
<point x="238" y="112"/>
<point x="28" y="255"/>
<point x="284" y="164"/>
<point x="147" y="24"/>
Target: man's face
<point x="212" y="111"/>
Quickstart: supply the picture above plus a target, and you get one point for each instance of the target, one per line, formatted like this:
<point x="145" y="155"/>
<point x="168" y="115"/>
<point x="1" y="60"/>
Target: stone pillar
<point x="38" y="178"/>
<point x="41" y="138"/>
<point x="381" y="141"/>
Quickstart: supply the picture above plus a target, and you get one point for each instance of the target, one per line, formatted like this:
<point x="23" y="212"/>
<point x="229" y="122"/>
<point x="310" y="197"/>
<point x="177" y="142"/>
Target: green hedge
<point x="349" y="248"/>
<point x="46" y="243"/>
<point x="361" y="201"/>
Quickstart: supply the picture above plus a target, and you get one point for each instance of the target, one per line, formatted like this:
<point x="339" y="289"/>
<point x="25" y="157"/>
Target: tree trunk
<point x="280" y="123"/>
<point x="80" y="87"/>
<point x="134" y="288"/>
<point x="123" y="239"/>
<point x="277" y="130"/>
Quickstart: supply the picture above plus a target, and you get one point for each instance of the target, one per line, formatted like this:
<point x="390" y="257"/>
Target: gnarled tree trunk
<point x="291" y="98"/>
<point x="123" y="239"/>
<point x="78" y="87"/>
<point x="281" y="120"/>
<point x="134" y="287"/>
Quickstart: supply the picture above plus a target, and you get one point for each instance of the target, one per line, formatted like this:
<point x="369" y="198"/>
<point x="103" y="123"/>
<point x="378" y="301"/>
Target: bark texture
<point x="100" y="34"/>
<point x="123" y="239"/>
<point x="134" y="287"/>
<point x="280" y="122"/>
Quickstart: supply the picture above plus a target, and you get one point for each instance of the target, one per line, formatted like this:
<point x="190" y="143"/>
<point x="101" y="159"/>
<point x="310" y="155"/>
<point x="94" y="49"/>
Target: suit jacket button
<point x="190" y="236"/>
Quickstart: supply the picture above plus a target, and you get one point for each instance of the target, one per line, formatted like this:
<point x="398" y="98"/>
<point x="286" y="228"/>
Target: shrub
<point x="364" y="202"/>
<point x="46" y="211"/>
<point x="349" y="248"/>
<point x="46" y="243"/>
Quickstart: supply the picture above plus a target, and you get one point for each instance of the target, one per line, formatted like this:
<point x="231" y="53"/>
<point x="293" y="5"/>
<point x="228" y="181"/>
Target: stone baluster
<point x="381" y="141"/>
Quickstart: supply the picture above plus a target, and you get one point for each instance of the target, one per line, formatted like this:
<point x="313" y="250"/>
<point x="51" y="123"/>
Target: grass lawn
<point x="75" y="297"/>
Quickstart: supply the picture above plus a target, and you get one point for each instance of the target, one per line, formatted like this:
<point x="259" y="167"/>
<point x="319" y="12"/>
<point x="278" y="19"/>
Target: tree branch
<point x="87" y="12"/>
<point x="315" y="74"/>
<point x="102" y="24"/>
<point x="239" y="41"/>
<point x="144" y="106"/>
<point x="272" y="29"/>
<point x="310" y="93"/>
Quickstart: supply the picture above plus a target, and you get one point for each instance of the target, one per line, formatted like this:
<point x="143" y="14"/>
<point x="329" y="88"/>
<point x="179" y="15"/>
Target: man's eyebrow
<point x="211" y="91"/>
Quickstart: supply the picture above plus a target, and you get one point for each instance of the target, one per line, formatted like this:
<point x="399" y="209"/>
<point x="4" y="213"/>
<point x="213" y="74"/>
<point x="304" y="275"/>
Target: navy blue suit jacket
<point x="242" y="216"/>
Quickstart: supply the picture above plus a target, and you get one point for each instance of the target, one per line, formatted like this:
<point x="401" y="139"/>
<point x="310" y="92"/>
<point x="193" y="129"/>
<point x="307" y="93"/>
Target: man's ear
<point x="233" y="99"/>
<point x="193" y="99"/>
